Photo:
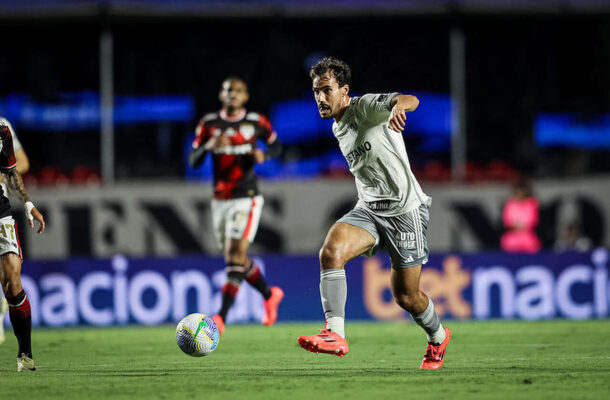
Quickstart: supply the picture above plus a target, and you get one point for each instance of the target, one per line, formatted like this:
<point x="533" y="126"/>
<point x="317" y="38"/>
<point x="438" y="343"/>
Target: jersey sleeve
<point x="16" y="143"/>
<point x="375" y="107"/>
<point x="201" y="134"/>
<point x="266" y="130"/>
<point x="7" y="154"/>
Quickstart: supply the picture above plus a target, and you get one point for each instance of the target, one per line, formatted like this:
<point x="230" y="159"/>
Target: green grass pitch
<point x="485" y="360"/>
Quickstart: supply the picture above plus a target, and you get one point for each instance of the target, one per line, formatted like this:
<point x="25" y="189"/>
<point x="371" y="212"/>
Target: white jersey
<point x="377" y="157"/>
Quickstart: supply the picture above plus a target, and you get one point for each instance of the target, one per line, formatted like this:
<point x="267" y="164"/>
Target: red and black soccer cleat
<point x="325" y="342"/>
<point x="271" y="306"/>
<point x="220" y="323"/>
<point x="435" y="355"/>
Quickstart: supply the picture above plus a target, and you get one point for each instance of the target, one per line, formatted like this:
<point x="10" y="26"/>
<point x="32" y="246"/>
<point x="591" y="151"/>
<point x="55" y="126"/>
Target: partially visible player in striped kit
<point x="392" y="209"/>
<point x="23" y="166"/>
<point x="10" y="250"/>
<point x="231" y="136"/>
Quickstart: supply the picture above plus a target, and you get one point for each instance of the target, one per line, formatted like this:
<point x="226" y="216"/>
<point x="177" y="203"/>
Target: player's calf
<point x="21" y="318"/>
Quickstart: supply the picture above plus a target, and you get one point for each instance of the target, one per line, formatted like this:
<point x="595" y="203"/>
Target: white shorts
<point x="236" y="218"/>
<point x="9" y="237"/>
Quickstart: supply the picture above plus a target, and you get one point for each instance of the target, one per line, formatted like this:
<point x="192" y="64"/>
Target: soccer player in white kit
<point x="391" y="213"/>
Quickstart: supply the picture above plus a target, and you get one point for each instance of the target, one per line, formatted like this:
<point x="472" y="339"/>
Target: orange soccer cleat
<point x="271" y="305"/>
<point x="220" y="323"/>
<point x="325" y="342"/>
<point x="435" y="355"/>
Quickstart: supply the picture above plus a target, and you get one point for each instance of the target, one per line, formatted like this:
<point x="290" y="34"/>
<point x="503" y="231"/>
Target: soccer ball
<point x="197" y="335"/>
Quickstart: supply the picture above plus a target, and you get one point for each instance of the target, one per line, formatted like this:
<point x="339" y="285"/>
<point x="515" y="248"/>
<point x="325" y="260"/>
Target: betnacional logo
<point x="491" y="290"/>
<point x="114" y="297"/>
<point x="445" y="287"/>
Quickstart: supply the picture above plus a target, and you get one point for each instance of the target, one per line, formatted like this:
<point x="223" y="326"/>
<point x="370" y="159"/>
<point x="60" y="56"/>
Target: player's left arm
<point x="15" y="182"/>
<point x="274" y="149"/>
<point x="400" y="105"/>
<point x="23" y="162"/>
<point x="274" y="146"/>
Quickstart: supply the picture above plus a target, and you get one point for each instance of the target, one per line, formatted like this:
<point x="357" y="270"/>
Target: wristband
<point x="28" y="209"/>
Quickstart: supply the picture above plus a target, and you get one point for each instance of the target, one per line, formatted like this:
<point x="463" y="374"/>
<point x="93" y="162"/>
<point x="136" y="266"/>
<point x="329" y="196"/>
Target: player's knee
<point x="330" y="257"/>
<point x="12" y="283"/>
<point x="406" y="301"/>
<point x="236" y="259"/>
<point x="235" y="256"/>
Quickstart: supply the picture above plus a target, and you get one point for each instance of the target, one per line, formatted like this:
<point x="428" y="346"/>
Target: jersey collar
<point x="238" y="117"/>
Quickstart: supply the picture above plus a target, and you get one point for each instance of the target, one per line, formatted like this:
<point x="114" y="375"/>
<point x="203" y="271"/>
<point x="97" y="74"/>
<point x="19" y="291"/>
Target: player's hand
<point x="36" y="215"/>
<point x="216" y="142"/>
<point x="397" y="120"/>
<point x="259" y="156"/>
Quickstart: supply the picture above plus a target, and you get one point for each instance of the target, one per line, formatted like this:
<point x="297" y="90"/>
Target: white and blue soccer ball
<point x="197" y="335"/>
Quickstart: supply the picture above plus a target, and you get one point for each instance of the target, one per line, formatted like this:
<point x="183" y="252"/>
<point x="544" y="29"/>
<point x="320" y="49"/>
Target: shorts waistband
<point x="380" y="205"/>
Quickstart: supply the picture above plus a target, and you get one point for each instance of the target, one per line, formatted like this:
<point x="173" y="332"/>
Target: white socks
<point x="333" y="292"/>
<point x="336" y="325"/>
<point x="437" y="337"/>
<point x="431" y="324"/>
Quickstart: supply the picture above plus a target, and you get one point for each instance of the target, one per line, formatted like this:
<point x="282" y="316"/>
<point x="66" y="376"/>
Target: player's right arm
<point x="202" y="144"/>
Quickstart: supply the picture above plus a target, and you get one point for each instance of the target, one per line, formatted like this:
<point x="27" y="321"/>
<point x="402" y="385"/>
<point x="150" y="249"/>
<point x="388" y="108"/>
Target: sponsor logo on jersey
<point x="230" y="132"/>
<point x="405" y="240"/>
<point x="358" y="152"/>
<point x="247" y="131"/>
<point x="240" y="149"/>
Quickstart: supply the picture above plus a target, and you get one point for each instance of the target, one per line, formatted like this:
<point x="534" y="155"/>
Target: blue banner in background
<point x="570" y="130"/>
<point x="464" y="286"/>
<point x="80" y="111"/>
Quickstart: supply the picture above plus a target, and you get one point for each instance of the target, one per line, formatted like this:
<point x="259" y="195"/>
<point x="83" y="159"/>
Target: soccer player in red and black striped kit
<point x="10" y="250"/>
<point x="231" y="136"/>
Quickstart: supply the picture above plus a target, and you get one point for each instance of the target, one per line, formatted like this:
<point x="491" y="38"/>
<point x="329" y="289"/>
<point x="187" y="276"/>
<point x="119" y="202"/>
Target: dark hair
<point x="339" y="70"/>
<point x="235" y="78"/>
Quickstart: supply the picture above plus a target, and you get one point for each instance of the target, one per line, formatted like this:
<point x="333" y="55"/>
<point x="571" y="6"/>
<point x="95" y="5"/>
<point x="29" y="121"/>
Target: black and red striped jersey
<point x="234" y="175"/>
<point x="7" y="162"/>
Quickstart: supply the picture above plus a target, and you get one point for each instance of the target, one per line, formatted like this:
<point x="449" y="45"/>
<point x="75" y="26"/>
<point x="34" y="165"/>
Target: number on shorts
<point x="3" y="229"/>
